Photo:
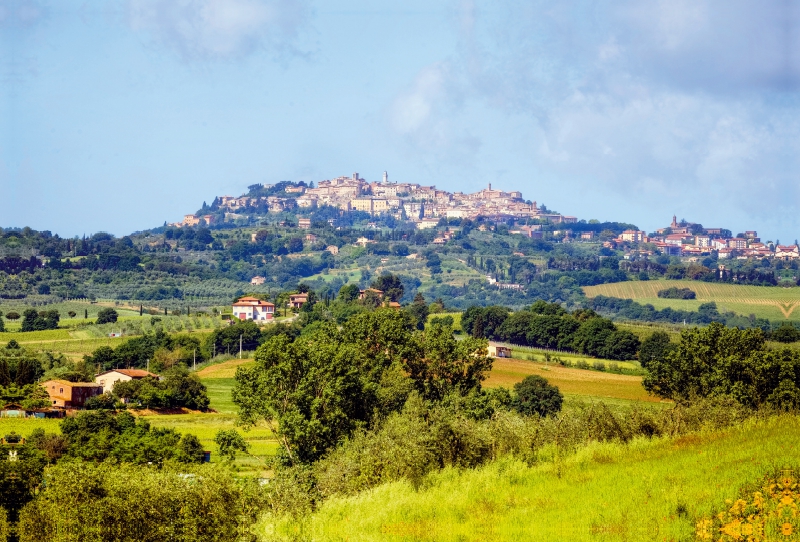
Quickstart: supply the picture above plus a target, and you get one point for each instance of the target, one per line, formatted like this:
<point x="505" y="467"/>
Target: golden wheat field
<point x="571" y="381"/>
<point x="773" y="302"/>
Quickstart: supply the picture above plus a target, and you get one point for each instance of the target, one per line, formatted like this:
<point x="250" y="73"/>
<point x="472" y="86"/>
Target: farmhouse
<point x="297" y="300"/>
<point x="109" y="378"/>
<point x="258" y="280"/>
<point x="252" y="308"/>
<point x="362" y="294"/>
<point x="498" y="351"/>
<point x="70" y="394"/>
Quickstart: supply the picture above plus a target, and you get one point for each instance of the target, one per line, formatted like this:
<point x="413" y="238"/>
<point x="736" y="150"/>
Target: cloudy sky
<point x="117" y="115"/>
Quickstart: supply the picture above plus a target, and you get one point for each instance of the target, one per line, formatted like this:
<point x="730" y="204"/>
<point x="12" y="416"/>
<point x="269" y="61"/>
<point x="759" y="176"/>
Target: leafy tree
<point x="53" y="446"/>
<point x="391" y="286"/>
<point x="621" y="345"/>
<point x="295" y="245"/>
<point x="348" y="293"/>
<point x="419" y="311"/>
<point x="227" y="339"/>
<point x="655" y="347"/>
<point x="787" y="333"/>
<point x="552" y="331"/>
<point x="717" y="360"/>
<point x="483" y="322"/>
<point x="310" y="391"/>
<point x="98" y="435"/>
<point x="229" y="441"/>
<point x="106" y="316"/>
<point x="177" y="388"/>
<point x="551" y="309"/>
<point x="447" y="365"/>
<point x="534" y="395"/>
<point x="190" y="450"/>
<point x="591" y="336"/>
<point x="19" y="479"/>
<point x="38" y="321"/>
<point x="180" y="503"/>
<point x="104" y="401"/>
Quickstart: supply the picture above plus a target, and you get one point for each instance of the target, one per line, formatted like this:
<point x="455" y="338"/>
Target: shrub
<point x="787" y="333"/>
<point x="677" y="293"/>
<point x="121" y="502"/>
<point x="599" y="366"/>
<point x="106" y="316"/>
<point x="534" y="395"/>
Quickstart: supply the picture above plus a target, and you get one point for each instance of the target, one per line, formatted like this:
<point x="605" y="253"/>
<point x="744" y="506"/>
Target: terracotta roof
<point x="252" y="302"/>
<point x="74" y="384"/>
<point x="133" y="373"/>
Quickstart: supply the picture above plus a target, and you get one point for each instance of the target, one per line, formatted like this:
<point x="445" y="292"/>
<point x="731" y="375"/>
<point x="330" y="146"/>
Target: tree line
<point x="549" y="325"/>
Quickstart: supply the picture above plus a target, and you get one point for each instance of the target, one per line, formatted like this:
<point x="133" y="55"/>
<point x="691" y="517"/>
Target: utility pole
<point x="240" y="346"/>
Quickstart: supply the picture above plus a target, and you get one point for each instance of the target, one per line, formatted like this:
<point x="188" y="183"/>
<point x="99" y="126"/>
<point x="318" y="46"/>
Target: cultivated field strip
<point x="785" y="300"/>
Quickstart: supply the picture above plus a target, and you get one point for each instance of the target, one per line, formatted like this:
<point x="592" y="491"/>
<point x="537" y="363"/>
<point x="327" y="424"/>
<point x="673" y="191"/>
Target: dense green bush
<point x="99" y="435"/>
<point x="176" y="388"/>
<point x="677" y="293"/>
<point x="106" y="316"/>
<point x="425" y="437"/>
<point x="535" y="396"/>
<point x="787" y="333"/>
<point x="728" y="362"/>
<point x="38" y="321"/>
<point x="116" y="503"/>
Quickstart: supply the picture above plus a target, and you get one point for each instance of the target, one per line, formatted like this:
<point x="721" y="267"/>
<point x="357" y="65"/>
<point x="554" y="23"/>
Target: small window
<point x="61" y="390"/>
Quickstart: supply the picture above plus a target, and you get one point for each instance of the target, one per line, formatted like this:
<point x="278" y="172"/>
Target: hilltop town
<point x="426" y="206"/>
<point x="693" y="240"/>
<point x="422" y="205"/>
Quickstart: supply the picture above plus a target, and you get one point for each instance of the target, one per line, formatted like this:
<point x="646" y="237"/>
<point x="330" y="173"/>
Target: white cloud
<point x="219" y="29"/>
<point x="691" y="102"/>
<point x="412" y="109"/>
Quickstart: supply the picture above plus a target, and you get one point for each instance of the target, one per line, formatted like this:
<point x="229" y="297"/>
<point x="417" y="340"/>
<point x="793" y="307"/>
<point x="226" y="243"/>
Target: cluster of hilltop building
<point x="424" y="205"/>
<point x="687" y="239"/>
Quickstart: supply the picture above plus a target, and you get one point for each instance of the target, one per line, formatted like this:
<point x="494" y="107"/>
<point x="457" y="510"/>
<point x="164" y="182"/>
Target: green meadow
<point x="644" y="490"/>
<point x="219" y="381"/>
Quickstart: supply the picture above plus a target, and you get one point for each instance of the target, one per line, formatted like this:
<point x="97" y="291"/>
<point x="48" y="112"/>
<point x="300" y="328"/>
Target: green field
<point x="772" y="302"/>
<point x="219" y="381"/>
<point x="645" y="490"/>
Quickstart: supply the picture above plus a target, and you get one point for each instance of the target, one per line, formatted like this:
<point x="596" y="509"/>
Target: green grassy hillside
<point x="646" y="490"/>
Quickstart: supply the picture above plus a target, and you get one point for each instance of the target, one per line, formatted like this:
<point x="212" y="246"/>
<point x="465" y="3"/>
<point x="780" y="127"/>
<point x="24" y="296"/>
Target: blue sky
<point x="117" y="115"/>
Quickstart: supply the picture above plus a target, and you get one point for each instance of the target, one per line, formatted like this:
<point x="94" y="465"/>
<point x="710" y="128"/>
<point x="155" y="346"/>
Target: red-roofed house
<point x="70" y="394"/>
<point x="297" y="300"/>
<point x="787" y="252"/>
<point x="109" y="378"/>
<point x="252" y="308"/>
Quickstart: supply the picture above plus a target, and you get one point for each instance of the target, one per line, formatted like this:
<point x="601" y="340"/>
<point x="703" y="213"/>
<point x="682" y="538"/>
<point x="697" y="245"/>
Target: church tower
<point x="674" y="222"/>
